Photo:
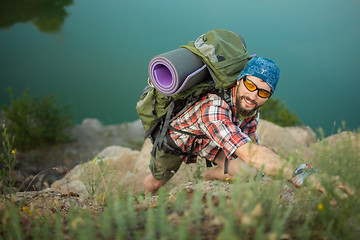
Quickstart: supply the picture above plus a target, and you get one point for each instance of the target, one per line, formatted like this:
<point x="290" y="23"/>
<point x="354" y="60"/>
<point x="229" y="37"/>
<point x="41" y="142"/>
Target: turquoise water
<point x="94" y="54"/>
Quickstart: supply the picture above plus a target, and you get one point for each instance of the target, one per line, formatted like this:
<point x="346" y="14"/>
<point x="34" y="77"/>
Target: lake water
<point x="95" y="54"/>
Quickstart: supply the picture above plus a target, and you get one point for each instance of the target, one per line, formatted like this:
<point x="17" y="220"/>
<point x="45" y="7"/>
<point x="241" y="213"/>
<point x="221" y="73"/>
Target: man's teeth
<point x="248" y="101"/>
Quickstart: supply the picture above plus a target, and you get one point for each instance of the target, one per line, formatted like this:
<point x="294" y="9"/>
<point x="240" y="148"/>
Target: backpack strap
<point x="190" y="154"/>
<point x="187" y="133"/>
<point x="225" y="95"/>
<point x="164" y="129"/>
<point x="226" y="165"/>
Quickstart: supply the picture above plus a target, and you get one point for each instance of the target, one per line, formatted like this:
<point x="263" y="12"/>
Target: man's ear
<point x="238" y="82"/>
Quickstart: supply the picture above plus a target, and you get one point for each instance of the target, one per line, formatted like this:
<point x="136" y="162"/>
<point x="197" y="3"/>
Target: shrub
<point x="7" y="162"/>
<point x="275" y="111"/>
<point x="37" y="123"/>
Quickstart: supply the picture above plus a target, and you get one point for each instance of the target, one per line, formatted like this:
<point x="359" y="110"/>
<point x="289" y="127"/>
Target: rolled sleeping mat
<point x="176" y="71"/>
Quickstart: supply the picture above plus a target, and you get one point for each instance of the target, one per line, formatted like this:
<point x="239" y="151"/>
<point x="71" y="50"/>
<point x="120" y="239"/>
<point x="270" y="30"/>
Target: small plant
<point x="37" y="123"/>
<point x="7" y="162"/>
<point x="199" y="169"/>
<point x="96" y="172"/>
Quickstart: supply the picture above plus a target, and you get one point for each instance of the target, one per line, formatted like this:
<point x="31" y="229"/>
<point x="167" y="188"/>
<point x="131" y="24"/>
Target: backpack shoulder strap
<point x="225" y="94"/>
<point x="164" y="129"/>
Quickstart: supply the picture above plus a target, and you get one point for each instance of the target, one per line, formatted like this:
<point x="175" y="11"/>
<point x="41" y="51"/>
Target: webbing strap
<point x="226" y="96"/>
<point x="226" y="165"/>
<point x="160" y="137"/>
<point x="188" y="133"/>
<point x="191" y="155"/>
<point x="208" y="163"/>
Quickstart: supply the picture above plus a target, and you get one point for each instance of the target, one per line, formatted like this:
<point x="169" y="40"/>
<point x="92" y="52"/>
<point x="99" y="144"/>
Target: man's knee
<point x="151" y="184"/>
<point x="150" y="180"/>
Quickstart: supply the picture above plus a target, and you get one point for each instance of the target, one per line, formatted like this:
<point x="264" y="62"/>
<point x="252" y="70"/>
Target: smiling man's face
<point x="247" y="102"/>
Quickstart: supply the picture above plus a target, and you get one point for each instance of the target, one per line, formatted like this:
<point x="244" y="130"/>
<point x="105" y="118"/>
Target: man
<point x="223" y="133"/>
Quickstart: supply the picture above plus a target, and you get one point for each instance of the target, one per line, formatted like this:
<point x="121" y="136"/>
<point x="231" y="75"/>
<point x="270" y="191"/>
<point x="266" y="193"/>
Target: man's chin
<point x="247" y="108"/>
<point x="245" y="112"/>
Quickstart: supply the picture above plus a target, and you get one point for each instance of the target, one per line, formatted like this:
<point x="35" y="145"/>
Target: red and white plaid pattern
<point x="213" y="117"/>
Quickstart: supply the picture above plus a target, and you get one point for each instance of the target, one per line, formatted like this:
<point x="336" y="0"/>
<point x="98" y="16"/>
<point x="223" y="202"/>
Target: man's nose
<point x="253" y="95"/>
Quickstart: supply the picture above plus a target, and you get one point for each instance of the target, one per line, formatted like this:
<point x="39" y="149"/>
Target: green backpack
<point x="225" y="55"/>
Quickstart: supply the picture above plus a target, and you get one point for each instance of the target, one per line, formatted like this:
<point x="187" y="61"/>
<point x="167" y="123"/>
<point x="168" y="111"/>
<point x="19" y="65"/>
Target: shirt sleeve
<point x="216" y="122"/>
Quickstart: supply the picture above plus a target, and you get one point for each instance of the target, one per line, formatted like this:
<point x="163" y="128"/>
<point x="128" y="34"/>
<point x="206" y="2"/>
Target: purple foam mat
<point x="177" y="70"/>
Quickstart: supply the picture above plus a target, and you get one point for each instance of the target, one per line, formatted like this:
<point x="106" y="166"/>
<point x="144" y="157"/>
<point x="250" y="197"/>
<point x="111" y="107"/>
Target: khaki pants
<point x="164" y="165"/>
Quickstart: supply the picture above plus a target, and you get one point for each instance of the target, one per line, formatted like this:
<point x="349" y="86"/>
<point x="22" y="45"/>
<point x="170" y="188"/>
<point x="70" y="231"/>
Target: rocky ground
<point x="48" y="200"/>
<point x="55" y="179"/>
<point x="39" y="168"/>
<point x="66" y="167"/>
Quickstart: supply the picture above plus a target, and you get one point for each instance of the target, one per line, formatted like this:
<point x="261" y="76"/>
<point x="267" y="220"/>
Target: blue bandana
<point x="263" y="68"/>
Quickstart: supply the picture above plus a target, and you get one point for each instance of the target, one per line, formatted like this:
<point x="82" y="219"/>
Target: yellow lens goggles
<point x="252" y="87"/>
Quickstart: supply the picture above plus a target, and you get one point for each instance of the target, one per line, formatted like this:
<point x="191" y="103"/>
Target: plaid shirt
<point x="214" y="118"/>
